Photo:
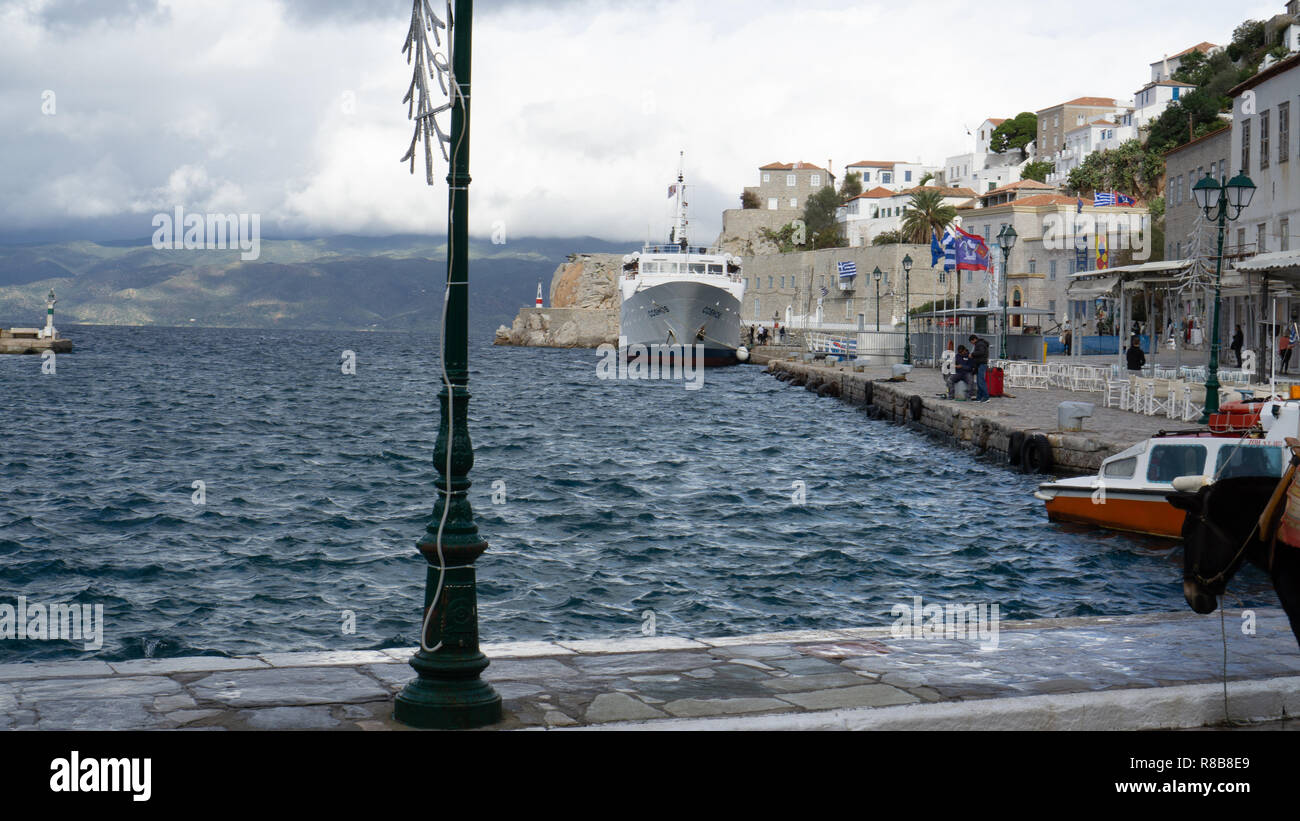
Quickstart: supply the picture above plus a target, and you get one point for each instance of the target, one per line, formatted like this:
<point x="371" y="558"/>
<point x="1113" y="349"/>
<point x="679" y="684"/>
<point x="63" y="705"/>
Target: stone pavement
<point x="1121" y="672"/>
<point x="987" y="425"/>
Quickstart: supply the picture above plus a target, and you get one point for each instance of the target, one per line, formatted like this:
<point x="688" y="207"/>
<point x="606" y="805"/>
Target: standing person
<point x="1238" y="339"/>
<point x="979" y="359"/>
<point x="1136" y="359"/>
<point x="1284" y="350"/>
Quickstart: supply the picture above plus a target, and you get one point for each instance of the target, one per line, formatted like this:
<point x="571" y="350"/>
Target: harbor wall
<point x="965" y="423"/>
<point x="583" y="310"/>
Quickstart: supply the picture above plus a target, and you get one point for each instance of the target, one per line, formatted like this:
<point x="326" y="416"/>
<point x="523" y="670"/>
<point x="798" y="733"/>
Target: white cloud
<point x="579" y="109"/>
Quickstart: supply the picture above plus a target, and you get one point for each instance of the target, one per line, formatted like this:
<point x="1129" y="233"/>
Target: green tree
<point x="1016" y="133"/>
<point x="1131" y="168"/>
<point x="788" y="238"/>
<point x="819" y="219"/>
<point x="926" y="214"/>
<point x="749" y="200"/>
<point x="1247" y="39"/>
<point x="887" y="238"/>
<point x="852" y="185"/>
<point x="1037" y="170"/>
<point x="926" y="178"/>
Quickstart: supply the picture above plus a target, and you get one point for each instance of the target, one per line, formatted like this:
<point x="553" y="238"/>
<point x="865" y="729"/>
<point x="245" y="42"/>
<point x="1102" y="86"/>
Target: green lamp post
<point x="876" y="276"/>
<point x="448" y="693"/>
<point x="1221" y="202"/>
<point x="907" y="309"/>
<point x="1006" y="241"/>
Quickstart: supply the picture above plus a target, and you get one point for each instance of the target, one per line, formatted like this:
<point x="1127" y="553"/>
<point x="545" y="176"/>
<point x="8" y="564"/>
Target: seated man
<point x="963" y="371"/>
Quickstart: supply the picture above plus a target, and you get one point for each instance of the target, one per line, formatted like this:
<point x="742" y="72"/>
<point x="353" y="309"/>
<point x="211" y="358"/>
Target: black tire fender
<point x="868" y="394"/>
<point x="916" y="407"/>
<point x="1036" y="456"/>
<point x="1015" y="447"/>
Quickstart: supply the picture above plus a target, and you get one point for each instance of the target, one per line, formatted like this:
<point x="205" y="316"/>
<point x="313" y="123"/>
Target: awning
<point x="994" y="310"/>
<point x="1091" y="288"/>
<point x="1146" y="267"/>
<point x="1267" y="263"/>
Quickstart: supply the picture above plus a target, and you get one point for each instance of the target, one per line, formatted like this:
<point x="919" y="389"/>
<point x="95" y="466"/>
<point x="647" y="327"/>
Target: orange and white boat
<point x="1129" y="491"/>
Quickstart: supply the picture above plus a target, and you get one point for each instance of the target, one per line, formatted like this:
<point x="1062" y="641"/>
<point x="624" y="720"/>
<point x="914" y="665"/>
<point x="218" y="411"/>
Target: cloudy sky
<point x="291" y="109"/>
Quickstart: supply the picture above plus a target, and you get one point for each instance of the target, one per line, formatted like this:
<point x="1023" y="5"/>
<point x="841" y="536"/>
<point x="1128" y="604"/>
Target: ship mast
<point x="678" y="234"/>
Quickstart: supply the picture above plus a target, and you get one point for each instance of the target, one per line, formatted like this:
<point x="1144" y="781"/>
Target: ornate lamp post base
<point x="448" y="693"/>
<point x="441" y="701"/>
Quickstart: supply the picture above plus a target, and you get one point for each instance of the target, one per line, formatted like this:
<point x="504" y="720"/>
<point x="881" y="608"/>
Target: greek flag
<point x="1103" y="198"/>
<point x="847" y="269"/>
<point x="825" y="290"/>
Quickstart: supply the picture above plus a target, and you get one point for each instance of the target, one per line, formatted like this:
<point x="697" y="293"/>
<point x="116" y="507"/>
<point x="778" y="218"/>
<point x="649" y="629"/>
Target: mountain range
<point x="392" y="283"/>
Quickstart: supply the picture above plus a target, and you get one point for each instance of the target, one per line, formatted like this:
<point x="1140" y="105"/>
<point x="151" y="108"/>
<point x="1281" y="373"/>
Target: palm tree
<point x="925" y="216"/>
<point x="927" y="177"/>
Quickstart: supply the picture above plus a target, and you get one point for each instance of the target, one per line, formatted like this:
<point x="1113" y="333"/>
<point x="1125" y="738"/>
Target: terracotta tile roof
<point x="875" y="194"/>
<point x="943" y="190"/>
<point x="1017" y="186"/>
<point x="1042" y="200"/>
<point x="874" y="163"/>
<point x="1204" y="48"/>
<point x="790" y="166"/>
<point x="1091" y="102"/>
<point x="997" y="121"/>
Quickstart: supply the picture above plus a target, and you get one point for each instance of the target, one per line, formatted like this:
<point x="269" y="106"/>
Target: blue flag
<point x="1079" y="209"/>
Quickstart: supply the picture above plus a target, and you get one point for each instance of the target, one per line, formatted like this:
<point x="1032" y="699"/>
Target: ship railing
<point x="678" y="249"/>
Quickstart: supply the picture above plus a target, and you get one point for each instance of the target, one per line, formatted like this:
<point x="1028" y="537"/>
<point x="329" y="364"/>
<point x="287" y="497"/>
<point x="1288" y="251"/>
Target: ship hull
<point x="684" y="313"/>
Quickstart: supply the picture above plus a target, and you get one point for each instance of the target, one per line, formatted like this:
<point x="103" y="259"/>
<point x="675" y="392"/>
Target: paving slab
<point x="196" y="664"/>
<point x="1111" y="672"/>
<point x="288" y="686"/>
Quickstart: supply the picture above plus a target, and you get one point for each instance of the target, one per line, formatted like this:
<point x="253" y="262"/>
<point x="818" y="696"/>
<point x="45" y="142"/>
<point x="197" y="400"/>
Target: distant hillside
<point x="344" y="282"/>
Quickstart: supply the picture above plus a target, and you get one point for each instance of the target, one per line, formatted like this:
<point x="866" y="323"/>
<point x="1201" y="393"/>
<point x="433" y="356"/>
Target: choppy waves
<point x="620" y="498"/>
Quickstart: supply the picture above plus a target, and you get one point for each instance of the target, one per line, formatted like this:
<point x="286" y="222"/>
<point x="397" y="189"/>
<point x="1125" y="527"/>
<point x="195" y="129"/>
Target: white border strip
<point x="1148" y="708"/>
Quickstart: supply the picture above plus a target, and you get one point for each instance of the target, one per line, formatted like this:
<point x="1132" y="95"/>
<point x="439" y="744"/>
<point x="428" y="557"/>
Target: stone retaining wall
<point x="962" y="423"/>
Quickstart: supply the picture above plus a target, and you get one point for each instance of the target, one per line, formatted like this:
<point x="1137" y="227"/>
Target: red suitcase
<point x="993" y="378"/>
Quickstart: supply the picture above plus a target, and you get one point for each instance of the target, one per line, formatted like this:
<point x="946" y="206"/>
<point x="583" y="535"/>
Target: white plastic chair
<point x="1160" y="399"/>
<point x="1193" y="402"/>
<point x="1117" y="393"/>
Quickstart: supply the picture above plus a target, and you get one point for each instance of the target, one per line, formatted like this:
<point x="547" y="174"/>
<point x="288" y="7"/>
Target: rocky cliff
<point x="583" y="310"/>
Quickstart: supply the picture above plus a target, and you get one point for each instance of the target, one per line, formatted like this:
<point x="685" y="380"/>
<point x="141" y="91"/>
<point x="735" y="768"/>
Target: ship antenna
<point x="680" y="230"/>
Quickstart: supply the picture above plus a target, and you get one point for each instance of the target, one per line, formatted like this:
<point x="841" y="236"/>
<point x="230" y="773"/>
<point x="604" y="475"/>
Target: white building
<point x="1164" y="68"/>
<point x="891" y="174"/>
<point x="879" y="210"/>
<point x="1264" y="147"/>
<point x="1098" y="135"/>
<point x="1150" y="101"/>
<point x="983" y="169"/>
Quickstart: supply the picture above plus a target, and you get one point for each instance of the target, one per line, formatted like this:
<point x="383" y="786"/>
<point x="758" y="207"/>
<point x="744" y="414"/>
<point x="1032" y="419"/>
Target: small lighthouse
<point x="48" y="331"/>
<point x="539" y="295"/>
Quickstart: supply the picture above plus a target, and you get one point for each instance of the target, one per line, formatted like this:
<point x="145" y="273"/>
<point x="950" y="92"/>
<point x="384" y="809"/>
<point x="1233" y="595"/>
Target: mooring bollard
<point x="1070" y="415"/>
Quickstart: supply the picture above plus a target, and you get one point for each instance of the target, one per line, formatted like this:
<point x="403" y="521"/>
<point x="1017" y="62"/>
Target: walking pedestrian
<point x="1284" y="350"/>
<point x="1238" y="339"/>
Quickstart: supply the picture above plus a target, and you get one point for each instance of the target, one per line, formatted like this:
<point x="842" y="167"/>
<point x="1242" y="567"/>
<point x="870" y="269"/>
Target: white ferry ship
<point x="682" y="294"/>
